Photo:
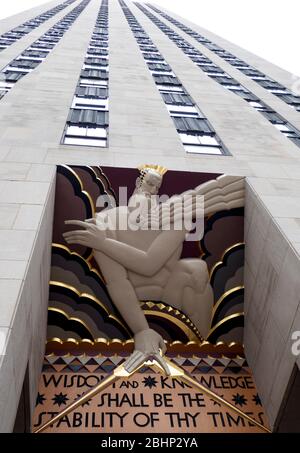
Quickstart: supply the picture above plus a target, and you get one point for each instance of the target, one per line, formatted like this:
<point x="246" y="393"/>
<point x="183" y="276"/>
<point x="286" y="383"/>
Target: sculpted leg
<point x="189" y="290"/>
<point x="122" y="292"/>
<point x="146" y="341"/>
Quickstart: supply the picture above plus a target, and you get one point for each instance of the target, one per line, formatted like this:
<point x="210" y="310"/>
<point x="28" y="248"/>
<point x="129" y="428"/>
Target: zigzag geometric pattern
<point x="195" y="365"/>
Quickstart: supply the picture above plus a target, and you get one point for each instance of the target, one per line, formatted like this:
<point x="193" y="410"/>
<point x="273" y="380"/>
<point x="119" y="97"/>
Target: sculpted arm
<point x="142" y="262"/>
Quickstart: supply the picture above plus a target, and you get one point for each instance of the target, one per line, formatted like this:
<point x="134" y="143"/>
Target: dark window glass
<point x="193" y="125"/>
<point x="159" y="67"/>
<point x="270" y="84"/>
<point x="92" y="92"/>
<point x="98" y="51"/>
<point x="225" y="80"/>
<point x="273" y="117"/>
<point x="252" y="73"/>
<point x="4" y="42"/>
<point x="152" y="56"/>
<point x="290" y="99"/>
<point x="247" y="95"/>
<point x="177" y="99"/>
<point x="141" y="35"/>
<point x="212" y="68"/>
<point x="296" y="140"/>
<point x="94" y="74"/>
<point x="148" y="48"/>
<point x="26" y="64"/>
<point x="166" y="80"/>
<point x="34" y="53"/>
<point x="85" y="117"/>
<point x="11" y="76"/>
<point x="40" y="45"/>
<point x="96" y="61"/>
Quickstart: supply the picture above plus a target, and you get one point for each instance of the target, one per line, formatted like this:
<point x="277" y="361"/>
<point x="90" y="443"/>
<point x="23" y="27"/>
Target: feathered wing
<point x="223" y="193"/>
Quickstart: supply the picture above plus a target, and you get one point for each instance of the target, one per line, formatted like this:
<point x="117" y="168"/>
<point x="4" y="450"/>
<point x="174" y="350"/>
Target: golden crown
<point x="158" y="168"/>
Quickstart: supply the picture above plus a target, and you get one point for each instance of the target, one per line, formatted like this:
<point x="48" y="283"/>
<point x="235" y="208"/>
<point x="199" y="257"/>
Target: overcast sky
<point x="268" y="28"/>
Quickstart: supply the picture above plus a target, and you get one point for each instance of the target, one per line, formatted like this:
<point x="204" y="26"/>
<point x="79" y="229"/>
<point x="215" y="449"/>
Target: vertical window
<point x="34" y="55"/>
<point x="87" y="123"/>
<point x="266" y="82"/>
<point x="17" y="33"/>
<point x="216" y="73"/>
<point x="196" y="133"/>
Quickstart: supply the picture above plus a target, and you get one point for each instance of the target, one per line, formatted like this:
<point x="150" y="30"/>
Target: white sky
<point x="268" y="28"/>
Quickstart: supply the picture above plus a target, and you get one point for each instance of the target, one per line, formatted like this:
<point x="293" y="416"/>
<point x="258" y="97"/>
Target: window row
<point x="87" y="123"/>
<point x="221" y="77"/>
<point x="266" y="82"/>
<point x="195" y="132"/>
<point x="8" y="38"/>
<point x="34" y="55"/>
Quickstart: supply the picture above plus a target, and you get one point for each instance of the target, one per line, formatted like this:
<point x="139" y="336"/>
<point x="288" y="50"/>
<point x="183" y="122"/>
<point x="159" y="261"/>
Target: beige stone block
<point x="261" y="186"/>
<point x="276" y="186"/>
<point x="26" y="153"/>
<point x="133" y="160"/>
<point x="272" y="170"/>
<point x="292" y="170"/>
<point x="262" y="296"/>
<point x="249" y="283"/>
<point x="4" y="150"/>
<point x="276" y="246"/>
<point x="4" y="336"/>
<point x="16" y="245"/>
<point x="290" y="227"/>
<point x="29" y="217"/>
<point x="13" y="171"/>
<point x="254" y="240"/>
<point x="24" y="192"/>
<point x="296" y="247"/>
<point x="271" y="412"/>
<point x="268" y="359"/>
<point x="8" y="396"/>
<point x="13" y="269"/>
<point x="8" y="214"/>
<point x="9" y="290"/>
<point x="261" y="217"/>
<point x="21" y="335"/>
<point x="251" y="342"/>
<point x="287" y="296"/>
<point x="250" y="204"/>
<point x="282" y="206"/>
<point x="286" y="186"/>
<point x="79" y="156"/>
<point x="40" y="172"/>
<point x="282" y="378"/>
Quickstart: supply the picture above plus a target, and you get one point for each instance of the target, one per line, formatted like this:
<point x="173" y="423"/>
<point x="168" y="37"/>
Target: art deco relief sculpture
<point x="138" y="249"/>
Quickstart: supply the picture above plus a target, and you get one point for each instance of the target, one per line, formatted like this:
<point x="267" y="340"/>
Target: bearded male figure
<point x="143" y="263"/>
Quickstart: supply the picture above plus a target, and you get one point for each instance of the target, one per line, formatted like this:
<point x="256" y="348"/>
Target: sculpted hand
<point x="147" y="343"/>
<point x="91" y="220"/>
<point x="91" y="236"/>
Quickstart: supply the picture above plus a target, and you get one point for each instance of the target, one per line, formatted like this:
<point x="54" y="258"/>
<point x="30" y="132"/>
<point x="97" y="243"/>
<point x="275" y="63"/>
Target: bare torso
<point x="146" y="287"/>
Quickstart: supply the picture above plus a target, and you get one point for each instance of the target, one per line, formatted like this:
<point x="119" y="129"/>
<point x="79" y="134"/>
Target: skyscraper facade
<point x="117" y="84"/>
